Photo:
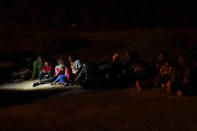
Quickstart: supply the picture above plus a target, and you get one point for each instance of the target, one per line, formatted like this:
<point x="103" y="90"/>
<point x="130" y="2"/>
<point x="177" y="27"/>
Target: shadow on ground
<point x="14" y="97"/>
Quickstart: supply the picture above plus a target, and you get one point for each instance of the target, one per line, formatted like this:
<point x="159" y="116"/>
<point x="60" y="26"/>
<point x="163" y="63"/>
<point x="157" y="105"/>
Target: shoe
<point x="53" y="83"/>
<point x="66" y="84"/>
<point x="36" y="84"/>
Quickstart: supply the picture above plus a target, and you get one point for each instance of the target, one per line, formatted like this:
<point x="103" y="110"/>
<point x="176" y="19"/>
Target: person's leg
<point x="62" y="79"/>
<point x="138" y="85"/>
<point x="49" y="74"/>
<point x="157" y="81"/>
<point x="48" y="80"/>
<point x="58" y="79"/>
<point x="41" y="74"/>
<point x="168" y="85"/>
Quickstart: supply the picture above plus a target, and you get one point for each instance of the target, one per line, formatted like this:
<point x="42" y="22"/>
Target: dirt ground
<point x="103" y="109"/>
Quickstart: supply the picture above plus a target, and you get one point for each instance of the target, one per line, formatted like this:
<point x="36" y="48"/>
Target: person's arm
<point x="161" y="71"/>
<point x="170" y="71"/>
<point x="43" y="69"/>
<point x="34" y="69"/>
<point x="67" y="73"/>
<point x="57" y="70"/>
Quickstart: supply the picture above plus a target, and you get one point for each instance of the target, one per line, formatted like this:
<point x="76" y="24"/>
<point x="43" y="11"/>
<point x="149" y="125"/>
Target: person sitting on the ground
<point x="75" y="64"/>
<point x="165" y="75"/>
<point x="68" y="73"/>
<point x="46" y="71"/>
<point x="37" y="65"/>
<point x="114" y="74"/>
<point x="130" y="58"/>
<point x="129" y="66"/>
<point x="193" y="80"/>
<point x="140" y="72"/>
<point x="181" y="75"/>
<point x="60" y="63"/>
<point x="159" y="62"/>
<point x="64" y="75"/>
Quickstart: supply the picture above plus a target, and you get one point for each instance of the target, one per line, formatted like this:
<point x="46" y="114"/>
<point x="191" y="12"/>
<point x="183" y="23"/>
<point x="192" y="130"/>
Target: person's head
<point x="130" y="55"/>
<point x="60" y="62"/>
<point x="46" y="63"/>
<point x="181" y="60"/>
<point x="39" y="59"/>
<point x="73" y="57"/>
<point x="115" y="57"/>
<point x="70" y="58"/>
<point x="160" y="57"/>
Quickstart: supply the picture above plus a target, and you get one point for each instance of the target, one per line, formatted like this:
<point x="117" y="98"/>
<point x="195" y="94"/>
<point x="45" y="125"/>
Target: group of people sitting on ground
<point x="64" y="73"/>
<point x="174" y="76"/>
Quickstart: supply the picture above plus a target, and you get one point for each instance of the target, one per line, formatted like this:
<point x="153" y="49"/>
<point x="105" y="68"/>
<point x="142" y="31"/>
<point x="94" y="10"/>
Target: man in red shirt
<point x="46" y="70"/>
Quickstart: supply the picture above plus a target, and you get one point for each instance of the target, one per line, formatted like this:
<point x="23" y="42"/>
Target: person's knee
<point x="169" y="84"/>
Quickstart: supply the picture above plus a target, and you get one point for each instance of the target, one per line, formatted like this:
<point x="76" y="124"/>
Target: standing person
<point x="37" y="65"/>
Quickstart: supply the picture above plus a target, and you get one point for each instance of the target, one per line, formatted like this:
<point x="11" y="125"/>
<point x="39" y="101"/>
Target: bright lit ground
<point x="103" y="109"/>
<point x="27" y="86"/>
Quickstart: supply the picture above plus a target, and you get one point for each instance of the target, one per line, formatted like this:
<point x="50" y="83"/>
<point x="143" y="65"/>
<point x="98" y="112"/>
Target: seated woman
<point x="64" y="75"/>
<point x="165" y="75"/>
<point x="46" y="71"/>
<point x="75" y="64"/>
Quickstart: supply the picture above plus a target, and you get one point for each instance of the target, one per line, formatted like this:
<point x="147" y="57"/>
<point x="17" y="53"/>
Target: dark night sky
<point x="144" y="12"/>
